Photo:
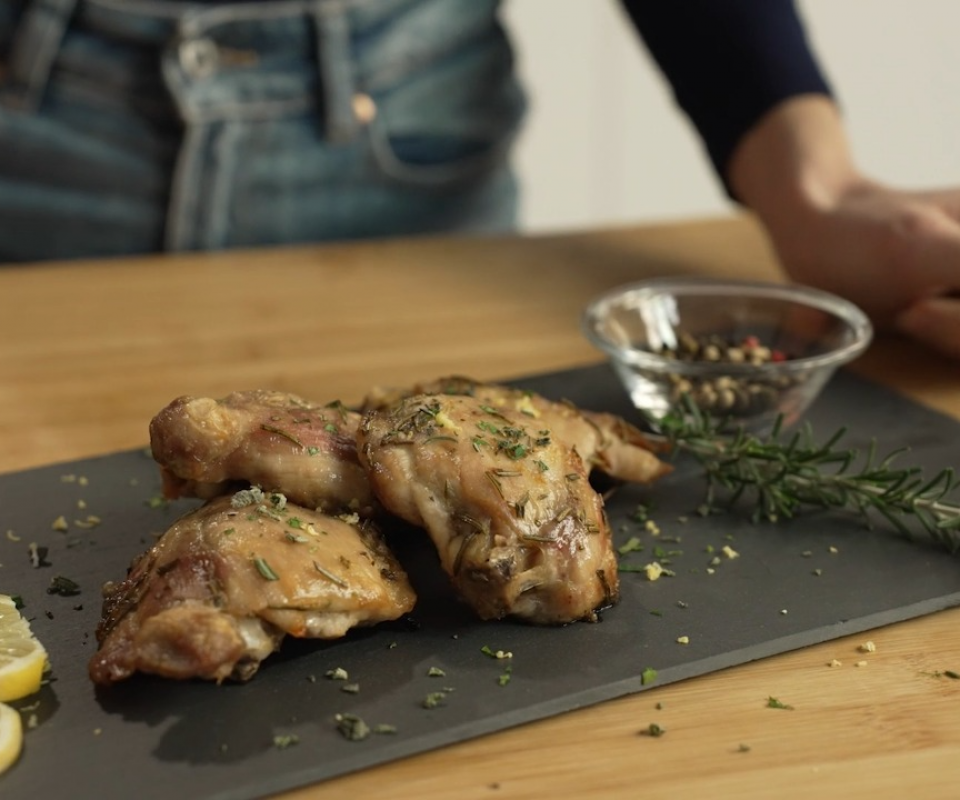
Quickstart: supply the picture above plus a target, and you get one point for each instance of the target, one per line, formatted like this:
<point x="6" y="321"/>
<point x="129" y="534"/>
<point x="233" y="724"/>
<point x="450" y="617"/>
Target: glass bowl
<point x="748" y="352"/>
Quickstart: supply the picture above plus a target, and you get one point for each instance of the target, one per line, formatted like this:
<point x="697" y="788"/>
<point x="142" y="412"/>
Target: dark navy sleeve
<point x="728" y="61"/>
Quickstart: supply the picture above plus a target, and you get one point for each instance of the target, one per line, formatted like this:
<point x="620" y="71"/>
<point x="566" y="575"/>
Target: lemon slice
<point x="11" y="736"/>
<point x="22" y="657"/>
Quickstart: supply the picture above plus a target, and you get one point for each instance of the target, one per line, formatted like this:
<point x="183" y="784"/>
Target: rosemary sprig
<point x="784" y="473"/>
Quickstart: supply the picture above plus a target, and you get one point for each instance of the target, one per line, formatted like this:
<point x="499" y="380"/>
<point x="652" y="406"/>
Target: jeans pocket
<point x="436" y="159"/>
<point x="451" y="123"/>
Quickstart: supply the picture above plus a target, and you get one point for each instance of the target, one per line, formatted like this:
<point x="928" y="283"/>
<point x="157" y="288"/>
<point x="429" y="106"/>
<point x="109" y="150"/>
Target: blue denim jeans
<point x="130" y="126"/>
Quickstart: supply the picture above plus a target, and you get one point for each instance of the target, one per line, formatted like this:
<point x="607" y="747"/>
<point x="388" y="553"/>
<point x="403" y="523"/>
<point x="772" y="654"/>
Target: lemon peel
<point x="11" y="736"/>
<point x="22" y="657"/>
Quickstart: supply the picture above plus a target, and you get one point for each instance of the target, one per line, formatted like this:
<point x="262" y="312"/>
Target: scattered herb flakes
<point x="436" y="672"/>
<point x="384" y="728"/>
<point x="648" y="676"/>
<point x="773" y="702"/>
<point x="682" y="604"/>
<point x="653" y="570"/>
<point x="351" y="727"/>
<point x="654" y="730"/>
<point x="504" y="677"/>
<point x="264" y="569"/>
<point x="329" y="575"/>
<point x="632" y="545"/>
<point x="500" y="654"/>
<point x="337" y="674"/>
<point x="157" y="501"/>
<point x="285" y="740"/>
<point x="63" y="586"/>
<point x="434" y="699"/>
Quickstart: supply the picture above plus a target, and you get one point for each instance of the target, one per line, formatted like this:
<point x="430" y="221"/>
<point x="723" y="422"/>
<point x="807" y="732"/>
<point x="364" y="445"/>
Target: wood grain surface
<point x="90" y="351"/>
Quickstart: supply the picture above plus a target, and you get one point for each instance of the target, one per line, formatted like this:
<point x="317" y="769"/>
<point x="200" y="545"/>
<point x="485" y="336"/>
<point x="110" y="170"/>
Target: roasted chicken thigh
<point x="509" y="506"/>
<point x="604" y="441"/>
<point x="274" y="440"/>
<point x="221" y="588"/>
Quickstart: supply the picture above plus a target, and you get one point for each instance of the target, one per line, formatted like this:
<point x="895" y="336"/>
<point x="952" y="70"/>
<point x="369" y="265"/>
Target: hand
<point x="894" y="253"/>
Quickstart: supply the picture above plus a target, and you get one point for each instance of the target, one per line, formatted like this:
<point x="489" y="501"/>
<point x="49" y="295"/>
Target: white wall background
<point x="604" y="144"/>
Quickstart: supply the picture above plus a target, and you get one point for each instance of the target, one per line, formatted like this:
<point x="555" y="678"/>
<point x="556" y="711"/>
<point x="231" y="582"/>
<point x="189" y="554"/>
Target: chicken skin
<point x="509" y="506"/>
<point x="605" y="442"/>
<point x="222" y="587"/>
<point x="274" y="440"/>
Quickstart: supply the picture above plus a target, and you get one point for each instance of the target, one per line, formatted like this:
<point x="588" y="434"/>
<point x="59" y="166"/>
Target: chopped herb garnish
<point x="436" y="672"/>
<point x="283" y="741"/>
<point x="63" y="586"/>
<point x="352" y="727"/>
<point x="632" y="545"/>
<point x="280" y="432"/>
<point x="337" y="674"/>
<point x="264" y="569"/>
<point x="653" y="729"/>
<point x="648" y="676"/>
<point x="329" y="575"/>
<point x="434" y="699"/>
<point x="384" y="727"/>
<point x="487" y="651"/>
<point x="772" y="702"/>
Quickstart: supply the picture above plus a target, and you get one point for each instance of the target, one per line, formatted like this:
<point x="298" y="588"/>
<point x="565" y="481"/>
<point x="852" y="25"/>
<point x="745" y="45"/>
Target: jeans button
<point x="199" y="58"/>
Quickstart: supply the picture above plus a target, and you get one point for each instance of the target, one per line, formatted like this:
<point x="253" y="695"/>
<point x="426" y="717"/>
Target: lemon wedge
<point x="22" y="657"/>
<point x="11" y="736"/>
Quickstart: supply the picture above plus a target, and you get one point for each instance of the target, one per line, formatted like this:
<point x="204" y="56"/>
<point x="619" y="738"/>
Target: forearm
<point x="796" y="160"/>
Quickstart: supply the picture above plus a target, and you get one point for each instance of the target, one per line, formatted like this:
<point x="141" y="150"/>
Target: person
<point x="132" y="126"/>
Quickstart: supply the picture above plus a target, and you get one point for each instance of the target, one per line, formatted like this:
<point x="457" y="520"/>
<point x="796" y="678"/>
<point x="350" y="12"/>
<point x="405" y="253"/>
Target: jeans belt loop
<point x="35" y="46"/>
<point x="335" y="65"/>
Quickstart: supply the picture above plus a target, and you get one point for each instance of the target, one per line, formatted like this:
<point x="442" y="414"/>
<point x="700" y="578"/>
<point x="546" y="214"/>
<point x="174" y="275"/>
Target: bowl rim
<point x="838" y="307"/>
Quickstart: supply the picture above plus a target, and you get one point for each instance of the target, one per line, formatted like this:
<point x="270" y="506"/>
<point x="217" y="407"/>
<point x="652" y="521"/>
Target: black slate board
<point x="151" y="738"/>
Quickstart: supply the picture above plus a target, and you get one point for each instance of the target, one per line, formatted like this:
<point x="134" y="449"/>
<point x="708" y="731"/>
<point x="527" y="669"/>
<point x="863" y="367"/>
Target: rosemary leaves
<point x="780" y="473"/>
